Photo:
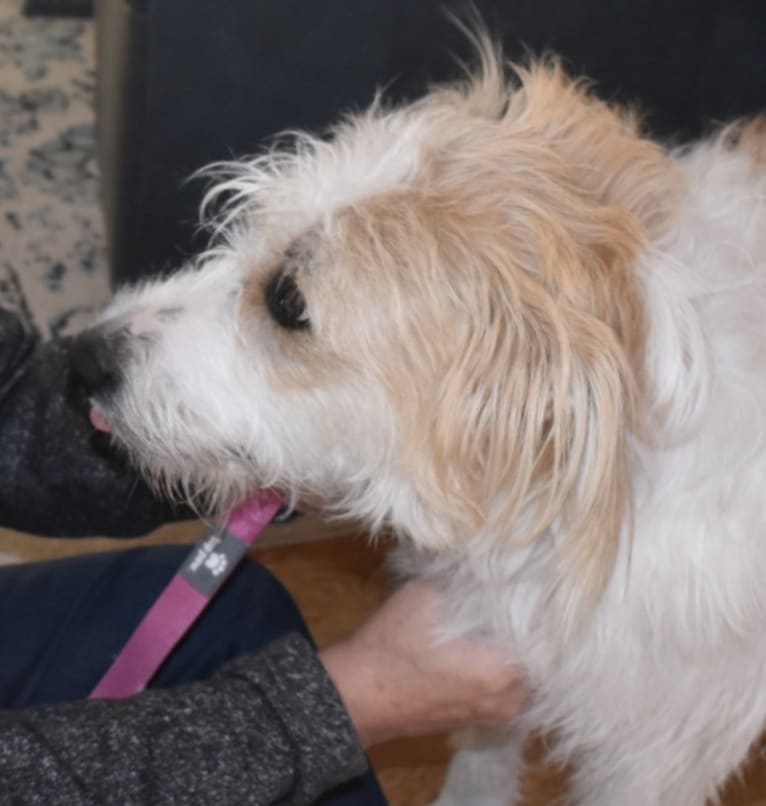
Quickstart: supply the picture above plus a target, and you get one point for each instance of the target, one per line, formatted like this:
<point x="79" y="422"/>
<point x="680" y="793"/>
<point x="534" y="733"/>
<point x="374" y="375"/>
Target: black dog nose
<point x="95" y="360"/>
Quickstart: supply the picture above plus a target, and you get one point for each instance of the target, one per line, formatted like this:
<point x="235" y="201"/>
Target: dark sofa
<point x="186" y="82"/>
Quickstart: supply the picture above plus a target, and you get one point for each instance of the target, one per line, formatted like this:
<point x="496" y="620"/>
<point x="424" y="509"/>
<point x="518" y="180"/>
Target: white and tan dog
<point x="532" y="341"/>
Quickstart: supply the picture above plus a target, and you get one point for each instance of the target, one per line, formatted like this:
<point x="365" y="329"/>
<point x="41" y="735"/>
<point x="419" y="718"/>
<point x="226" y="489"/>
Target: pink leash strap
<point x="179" y="605"/>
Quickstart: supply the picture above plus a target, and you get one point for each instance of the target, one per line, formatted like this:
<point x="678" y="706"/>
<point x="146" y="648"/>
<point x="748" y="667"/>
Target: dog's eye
<point x="285" y="302"/>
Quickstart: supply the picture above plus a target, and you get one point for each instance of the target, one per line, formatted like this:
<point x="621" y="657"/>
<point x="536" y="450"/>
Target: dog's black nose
<point x="95" y="361"/>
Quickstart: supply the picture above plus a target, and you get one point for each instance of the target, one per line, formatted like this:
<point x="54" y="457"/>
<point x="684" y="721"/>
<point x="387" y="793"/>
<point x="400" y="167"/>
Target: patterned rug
<point x="51" y="231"/>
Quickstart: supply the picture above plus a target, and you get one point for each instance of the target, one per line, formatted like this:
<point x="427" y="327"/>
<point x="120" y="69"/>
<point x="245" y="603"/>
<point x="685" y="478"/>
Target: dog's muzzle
<point x="97" y="362"/>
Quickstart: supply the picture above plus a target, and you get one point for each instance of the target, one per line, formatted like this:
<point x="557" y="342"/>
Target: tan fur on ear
<point x="748" y="136"/>
<point x="518" y="362"/>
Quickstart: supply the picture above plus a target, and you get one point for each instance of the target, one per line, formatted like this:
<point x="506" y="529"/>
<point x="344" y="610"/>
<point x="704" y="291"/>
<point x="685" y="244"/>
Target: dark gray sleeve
<point x="59" y="476"/>
<point x="267" y="728"/>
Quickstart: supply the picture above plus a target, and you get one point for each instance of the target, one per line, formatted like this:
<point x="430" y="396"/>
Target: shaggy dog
<point x="532" y="341"/>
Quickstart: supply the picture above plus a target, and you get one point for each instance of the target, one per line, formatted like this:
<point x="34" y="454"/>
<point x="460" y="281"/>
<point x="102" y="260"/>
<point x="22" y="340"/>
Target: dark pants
<point x="62" y="622"/>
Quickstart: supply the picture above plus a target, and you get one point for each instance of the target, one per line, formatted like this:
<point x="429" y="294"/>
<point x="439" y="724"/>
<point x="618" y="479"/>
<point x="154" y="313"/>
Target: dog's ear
<point x="516" y="354"/>
<point x="543" y="217"/>
<point x="526" y="426"/>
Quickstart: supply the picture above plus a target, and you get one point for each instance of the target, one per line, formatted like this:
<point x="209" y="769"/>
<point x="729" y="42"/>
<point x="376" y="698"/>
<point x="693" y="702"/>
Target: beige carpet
<point x="51" y="232"/>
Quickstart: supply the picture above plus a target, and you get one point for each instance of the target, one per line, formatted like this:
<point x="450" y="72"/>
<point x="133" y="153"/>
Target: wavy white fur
<point x="536" y="350"/>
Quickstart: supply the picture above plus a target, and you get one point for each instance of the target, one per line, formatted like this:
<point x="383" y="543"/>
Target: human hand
<point x="397" y="679"/>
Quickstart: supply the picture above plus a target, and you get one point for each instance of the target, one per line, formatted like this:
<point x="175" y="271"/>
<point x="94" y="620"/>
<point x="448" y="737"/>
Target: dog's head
<point x="431" y="319"/>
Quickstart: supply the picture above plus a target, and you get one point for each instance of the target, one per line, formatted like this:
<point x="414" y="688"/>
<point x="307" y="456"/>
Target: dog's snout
<point x="96" y="360"/>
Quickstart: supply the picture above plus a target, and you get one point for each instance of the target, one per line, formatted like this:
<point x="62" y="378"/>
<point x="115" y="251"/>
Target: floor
<point x="337" y="582"/>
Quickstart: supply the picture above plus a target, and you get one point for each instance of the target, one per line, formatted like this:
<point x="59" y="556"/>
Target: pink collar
<point x="187" y="594"/>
